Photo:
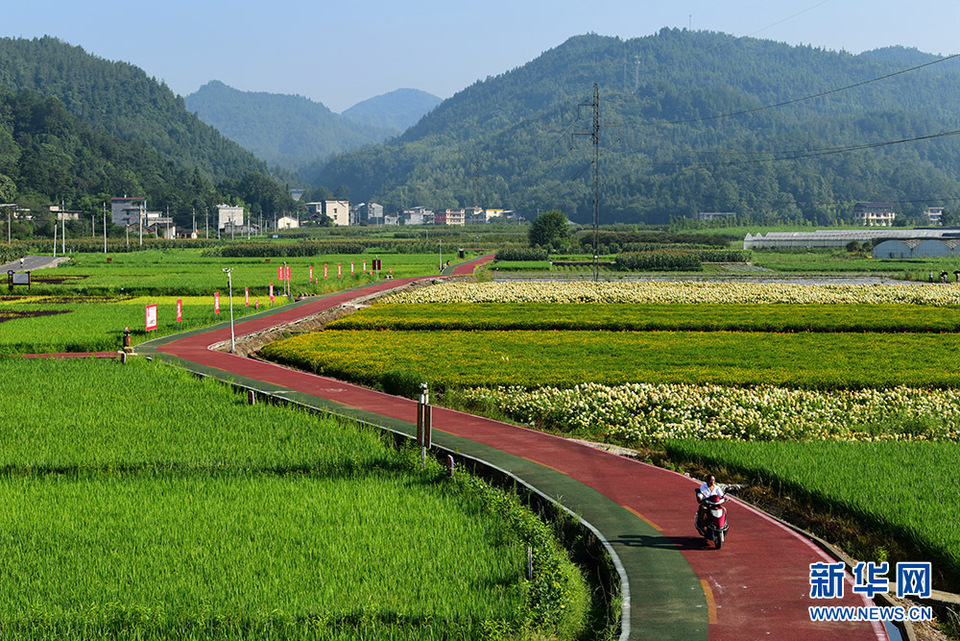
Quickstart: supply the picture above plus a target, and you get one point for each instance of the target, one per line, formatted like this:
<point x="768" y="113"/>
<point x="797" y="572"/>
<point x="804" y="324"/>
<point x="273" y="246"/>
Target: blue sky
<point x="340" y="53"/>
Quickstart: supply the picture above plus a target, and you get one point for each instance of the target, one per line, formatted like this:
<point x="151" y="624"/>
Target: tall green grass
<point x="904" y="488"/>
<point x="96" y="324"/>
<point x="139" y="502"/>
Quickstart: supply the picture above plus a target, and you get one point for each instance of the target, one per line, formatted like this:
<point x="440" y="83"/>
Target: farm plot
<point x="770" y="399"/>
<point x="124" y="518"/>
<point x="187" y="272"/>
<point x="49" y="324"/>
<point x="530" y="359"/>
<point x="783" y="317"/>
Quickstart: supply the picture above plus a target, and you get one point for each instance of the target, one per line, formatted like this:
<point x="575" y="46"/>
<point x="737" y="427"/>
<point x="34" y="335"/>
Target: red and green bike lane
<point x="675" y="585"/>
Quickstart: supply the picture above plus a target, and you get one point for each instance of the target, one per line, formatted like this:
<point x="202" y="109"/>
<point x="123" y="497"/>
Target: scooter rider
<point x="710" y="488"/>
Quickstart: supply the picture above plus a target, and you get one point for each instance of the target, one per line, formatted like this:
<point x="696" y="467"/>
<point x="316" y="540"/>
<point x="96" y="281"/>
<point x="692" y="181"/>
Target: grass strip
<point x="704" y="317"/>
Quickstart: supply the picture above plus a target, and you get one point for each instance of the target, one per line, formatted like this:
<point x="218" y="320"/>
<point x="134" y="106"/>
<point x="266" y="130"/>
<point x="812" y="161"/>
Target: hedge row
<point x="522" y="254"/>
<point x="659" y="261"/>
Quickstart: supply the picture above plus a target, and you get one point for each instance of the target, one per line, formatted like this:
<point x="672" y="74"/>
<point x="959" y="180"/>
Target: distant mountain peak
<point x="397" y="110"/>
<point x="291" y="131"/>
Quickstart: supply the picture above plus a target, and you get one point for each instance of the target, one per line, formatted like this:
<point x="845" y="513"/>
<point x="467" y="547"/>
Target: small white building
<point x="286" y="222"/>
<point x="874" y="214"/>
<point x="229" y="217"/>
<point x="336" y="210"/>
<point x="710" y="216"/>
<point x="934" y="215"/>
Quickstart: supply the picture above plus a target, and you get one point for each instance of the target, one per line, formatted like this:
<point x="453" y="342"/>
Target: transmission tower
<point x="594" y="135"/>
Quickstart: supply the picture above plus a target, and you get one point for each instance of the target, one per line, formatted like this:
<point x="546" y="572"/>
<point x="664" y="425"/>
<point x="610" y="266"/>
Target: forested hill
<point x="123" y="101"/>
<point x="289" y="131"/>
<point x="48" y="155"/>
<point x="397" y="110"/>
<point x="667" y="148"/>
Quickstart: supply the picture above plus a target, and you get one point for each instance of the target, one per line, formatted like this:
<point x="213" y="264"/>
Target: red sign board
<point x="151" y="317"/>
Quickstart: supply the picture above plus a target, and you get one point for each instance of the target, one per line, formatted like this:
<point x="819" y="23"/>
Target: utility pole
<point x="104" y="228"/>
<point x="63" y="229"/>
<point x="476" y="182"/>
<point x="594" y="135"/>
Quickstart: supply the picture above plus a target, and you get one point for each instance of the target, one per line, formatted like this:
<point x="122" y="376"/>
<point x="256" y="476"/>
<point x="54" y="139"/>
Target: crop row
<point x="123" y="518"/>
<point x="568" y="358"/>
<point x="682" y="292"/>
<point x="785" y="317"/>
<point x="644" y="413"/>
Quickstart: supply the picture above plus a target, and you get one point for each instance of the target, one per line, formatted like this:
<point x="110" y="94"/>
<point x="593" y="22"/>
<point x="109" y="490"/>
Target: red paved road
<point x="757" y="586"/>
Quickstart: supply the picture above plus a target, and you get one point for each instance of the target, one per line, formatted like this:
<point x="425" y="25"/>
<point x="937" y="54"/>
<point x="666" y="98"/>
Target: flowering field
<point x="682" y="292"/>
<point x="868" y="422"/>
<point x="643" y="413"/>
<point x="564" y="359"/>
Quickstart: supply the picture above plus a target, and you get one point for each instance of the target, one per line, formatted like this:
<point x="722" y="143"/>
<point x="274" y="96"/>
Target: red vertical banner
<point x="271" y="292"/>
<point x="280" y="273"/>
<point x="339" y="270"/>
<point x="324" y="271"/>
<point x="364" y="267"/>
<point x="179" y="310"/>
<point x="311" y="273"/>
<point x="216" y="302"/>
<point x="150" y="317"/>
<point x="287" y="275"/>
<point x="351" y="268"/>
<point x="246" y="297"/>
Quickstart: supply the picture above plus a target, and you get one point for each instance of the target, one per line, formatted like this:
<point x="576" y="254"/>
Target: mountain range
<point x="684" y="122"/>
<point x="688" y="122"/>
<point x="294" y="131"/>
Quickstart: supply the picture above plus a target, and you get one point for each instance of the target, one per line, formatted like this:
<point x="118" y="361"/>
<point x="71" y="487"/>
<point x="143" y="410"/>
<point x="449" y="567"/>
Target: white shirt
<point x="705" y="490"/>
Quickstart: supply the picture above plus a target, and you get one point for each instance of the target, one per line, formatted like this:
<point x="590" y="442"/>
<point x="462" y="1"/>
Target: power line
<point x="811" y="153"/>
<point x="805" y="98"/>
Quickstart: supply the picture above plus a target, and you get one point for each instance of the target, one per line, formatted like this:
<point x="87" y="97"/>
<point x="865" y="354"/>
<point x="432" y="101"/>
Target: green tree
<point x="550" y="229"/>
<point x="8" y="189"/>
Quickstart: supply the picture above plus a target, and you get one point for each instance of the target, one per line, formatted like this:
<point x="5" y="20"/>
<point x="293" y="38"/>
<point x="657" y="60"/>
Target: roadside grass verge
<point x="887" y="501"/>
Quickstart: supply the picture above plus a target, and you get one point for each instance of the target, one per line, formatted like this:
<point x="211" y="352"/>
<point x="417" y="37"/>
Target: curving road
<point x="756" y="587"/>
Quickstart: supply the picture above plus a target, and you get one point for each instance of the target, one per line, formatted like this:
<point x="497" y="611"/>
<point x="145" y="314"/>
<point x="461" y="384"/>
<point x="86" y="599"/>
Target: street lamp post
<point x="233" y="341"/>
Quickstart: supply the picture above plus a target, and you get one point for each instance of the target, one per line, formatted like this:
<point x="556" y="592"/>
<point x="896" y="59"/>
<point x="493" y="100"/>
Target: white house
<point x="229" y="217"/>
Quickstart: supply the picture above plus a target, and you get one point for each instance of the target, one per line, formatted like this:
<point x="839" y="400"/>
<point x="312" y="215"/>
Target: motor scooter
<point x="713" y="526"/>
